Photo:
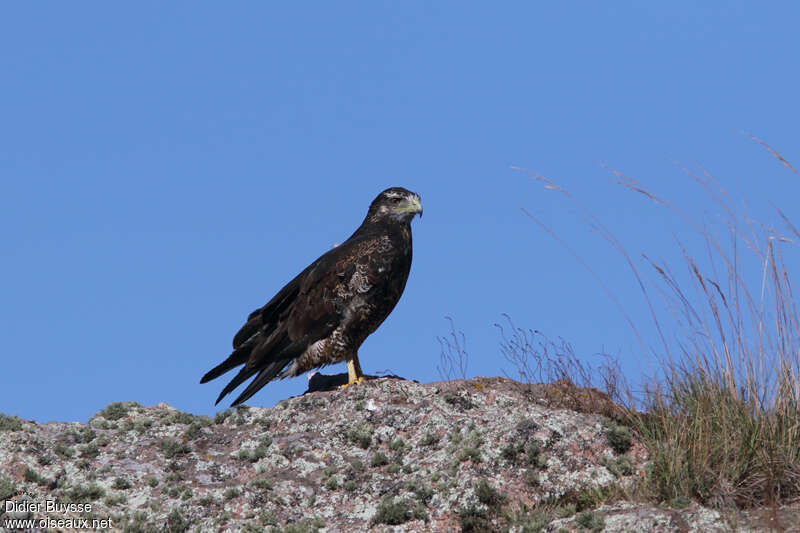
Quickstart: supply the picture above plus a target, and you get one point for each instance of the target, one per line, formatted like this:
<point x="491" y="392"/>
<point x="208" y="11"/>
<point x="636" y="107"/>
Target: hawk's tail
<point x="238" y="357"/>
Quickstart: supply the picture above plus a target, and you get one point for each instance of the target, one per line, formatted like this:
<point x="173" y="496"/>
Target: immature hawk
<point x="324" y="314"/>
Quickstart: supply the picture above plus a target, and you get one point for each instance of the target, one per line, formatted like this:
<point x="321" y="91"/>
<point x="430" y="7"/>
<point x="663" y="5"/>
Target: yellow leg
<point x="354" y="373"/>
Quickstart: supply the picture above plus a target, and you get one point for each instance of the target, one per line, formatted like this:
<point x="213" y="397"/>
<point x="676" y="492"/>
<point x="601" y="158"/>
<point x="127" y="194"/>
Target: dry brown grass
<point x="453" y="357"/>
<point x="721" y="422"/>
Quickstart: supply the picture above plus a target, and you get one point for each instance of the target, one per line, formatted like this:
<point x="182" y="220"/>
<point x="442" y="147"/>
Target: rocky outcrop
<point x="387" y="455"/>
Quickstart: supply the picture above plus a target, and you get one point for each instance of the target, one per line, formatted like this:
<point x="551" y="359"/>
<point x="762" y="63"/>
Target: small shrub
<point x="262" y="484"/>
<point x="429" y="439"/>
<point x="488" y="495"/>
<point x="222" y="416"/>
<point x="230" y="494"/>
<point x="510" y="451"/>
<point x="84" y="493"/>
<point x="10" y="423"/>
<point x="193" y="431"/>
<point x="590" y="520"/>
<point x="175" y="466"/>
<point x="205" y="501"/>
<point x="268" y="518"/>
<point x="469" y="453"/>
<point x="591" y="497"/>
<point x="176" y="523"/>
<point x="7" y="488"/>
<point x="619" y="438"/>
<point x="379" y="459"/>
<point x="140" y="426"/>
<point x="178" y="417"/>
<point x="392" y="513"/>
<point x="531" y="523"/>
<point x="361" y="435"/>
<point x="63" y="450"/>
<point x="87" y="434"/>
<point x="31" y="476"/>
<point x="421" y="492"/>
<point x="619" y="466"/>
<point x="89" y="451"/>
<point x="115" y="411"/>
<point x="257" y="453"/>
<point x="172" y="448"/>
<point x="534" y="455"/>
<point x="121" y="483"/>
<point x="566" y="510"/>
<point x="115" y="499"/>
<point x="473" y="520"/>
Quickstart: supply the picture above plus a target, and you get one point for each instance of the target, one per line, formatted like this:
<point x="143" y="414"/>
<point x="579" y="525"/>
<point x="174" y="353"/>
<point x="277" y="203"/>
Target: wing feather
<point x="300" y="314"/>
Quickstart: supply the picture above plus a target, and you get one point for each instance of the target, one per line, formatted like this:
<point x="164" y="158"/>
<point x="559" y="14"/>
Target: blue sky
<point x="166" y="168"/>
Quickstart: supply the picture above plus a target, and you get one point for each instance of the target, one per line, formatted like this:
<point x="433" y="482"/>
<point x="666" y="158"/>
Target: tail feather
<point x="281" y="356"/>
<point x="243" y="374"/>
<point x="267" y="357"/>
<point x="238" y="357"/>
<point x="266" y="375"/>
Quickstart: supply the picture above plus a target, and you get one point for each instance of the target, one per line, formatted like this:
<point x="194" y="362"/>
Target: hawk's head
<point x="395" y="204"/>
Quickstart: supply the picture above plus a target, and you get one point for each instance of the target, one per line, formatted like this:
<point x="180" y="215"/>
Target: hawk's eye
<point x="396" y="200"/>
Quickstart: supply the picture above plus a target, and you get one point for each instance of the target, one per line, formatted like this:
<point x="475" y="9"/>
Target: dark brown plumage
<point x="325" y="313"/>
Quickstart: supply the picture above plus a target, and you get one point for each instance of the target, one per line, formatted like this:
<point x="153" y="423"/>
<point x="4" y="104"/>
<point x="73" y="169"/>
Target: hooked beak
<point x="414" y="206"/>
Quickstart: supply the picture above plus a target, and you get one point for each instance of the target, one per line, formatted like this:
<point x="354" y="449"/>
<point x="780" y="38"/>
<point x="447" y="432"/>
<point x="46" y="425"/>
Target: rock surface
<point x="488" y="454"/>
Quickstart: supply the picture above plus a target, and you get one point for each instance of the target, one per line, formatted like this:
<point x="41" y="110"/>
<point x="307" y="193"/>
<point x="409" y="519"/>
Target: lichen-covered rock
<point x="386" y="455"/>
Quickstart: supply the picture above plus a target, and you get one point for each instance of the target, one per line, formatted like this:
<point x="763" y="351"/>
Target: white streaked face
<point x="399" y="204"/>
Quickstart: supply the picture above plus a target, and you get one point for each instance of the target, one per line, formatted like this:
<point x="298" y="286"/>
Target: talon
<point x="354" y="374"/>
<point x="357" y="381"/>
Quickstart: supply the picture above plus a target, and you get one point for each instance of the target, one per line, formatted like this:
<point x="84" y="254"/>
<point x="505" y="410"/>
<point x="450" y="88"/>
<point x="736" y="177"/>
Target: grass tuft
<point x="720" y="419"/>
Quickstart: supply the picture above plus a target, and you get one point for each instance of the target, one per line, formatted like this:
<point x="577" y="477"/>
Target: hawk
<point x="326" y="312"/>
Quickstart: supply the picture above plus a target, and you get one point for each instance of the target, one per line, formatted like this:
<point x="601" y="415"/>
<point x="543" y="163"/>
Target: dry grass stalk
<point x="722" y="421"/>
